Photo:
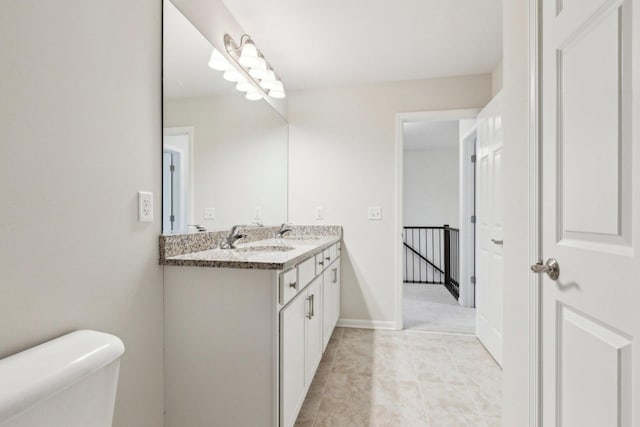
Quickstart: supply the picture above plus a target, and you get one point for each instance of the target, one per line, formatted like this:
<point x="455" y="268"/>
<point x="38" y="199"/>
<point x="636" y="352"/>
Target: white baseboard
<point x="367" y="324"/>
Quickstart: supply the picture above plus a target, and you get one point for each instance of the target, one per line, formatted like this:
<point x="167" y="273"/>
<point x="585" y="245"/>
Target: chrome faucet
<point x="231" y="238"/>
<point x="284" y="229"/>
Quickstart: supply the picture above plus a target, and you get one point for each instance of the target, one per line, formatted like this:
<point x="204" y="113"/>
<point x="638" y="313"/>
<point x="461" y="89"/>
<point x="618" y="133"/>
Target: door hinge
<point x="473" y="219"/>
<point x="172" y="218"/>
<point x="473" y="279"/>
<point x="172" y="168"/>
<point x="473" y="158"/>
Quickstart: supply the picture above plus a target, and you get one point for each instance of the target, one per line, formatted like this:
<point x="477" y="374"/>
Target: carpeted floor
<point x="433" y="308"/>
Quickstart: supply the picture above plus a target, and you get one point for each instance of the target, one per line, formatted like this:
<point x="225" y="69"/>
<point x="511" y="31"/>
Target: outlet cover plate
<point x="375" y="213"/>
<point x="145" y="206"/>
<point x="209" y="213"/>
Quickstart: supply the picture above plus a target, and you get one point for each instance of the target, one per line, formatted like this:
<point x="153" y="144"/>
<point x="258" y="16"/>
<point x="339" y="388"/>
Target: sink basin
<point x="272" y="248"/>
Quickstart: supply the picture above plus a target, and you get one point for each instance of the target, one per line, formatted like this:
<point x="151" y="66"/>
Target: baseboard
<point x="367" y="324"/>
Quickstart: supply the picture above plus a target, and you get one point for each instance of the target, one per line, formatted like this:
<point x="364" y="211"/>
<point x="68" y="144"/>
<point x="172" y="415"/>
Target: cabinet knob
<point x="321" y="263"/>
<point x="293" y="285"/>
<point x="328" y="258"/>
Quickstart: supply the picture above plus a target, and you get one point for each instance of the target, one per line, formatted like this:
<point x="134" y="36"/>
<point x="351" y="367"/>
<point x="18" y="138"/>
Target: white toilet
<point x="70" y="381"/>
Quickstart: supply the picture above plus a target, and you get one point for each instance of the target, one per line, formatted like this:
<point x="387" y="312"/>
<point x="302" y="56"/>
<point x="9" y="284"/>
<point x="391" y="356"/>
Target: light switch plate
<point x="257" y="213"/>
<point x="145" y="206"/>
<point x="375" y="213"/>
<point x="209" y="213"/>
<point x="320" y="213"/>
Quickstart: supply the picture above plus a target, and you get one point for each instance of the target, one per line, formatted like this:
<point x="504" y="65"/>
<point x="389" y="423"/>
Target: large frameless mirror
<point x="224" y="157"/>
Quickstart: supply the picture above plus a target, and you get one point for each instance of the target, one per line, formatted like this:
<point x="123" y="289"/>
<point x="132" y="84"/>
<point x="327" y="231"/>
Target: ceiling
<point x="185" y="55"/>
<point x="430" y="135"/>
<point x="337" y="42"/>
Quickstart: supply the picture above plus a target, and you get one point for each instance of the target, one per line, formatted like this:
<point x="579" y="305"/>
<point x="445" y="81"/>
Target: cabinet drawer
<point x="321" y="263"/>
<point x="333" y="252"/>
<point x="289" y="285"/>
<point x="306" y="272"/>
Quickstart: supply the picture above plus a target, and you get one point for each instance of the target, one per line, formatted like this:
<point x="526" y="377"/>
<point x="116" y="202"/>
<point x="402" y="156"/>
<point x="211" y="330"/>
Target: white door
<point x="489" y="229"/>
<point x="591" y="213"/>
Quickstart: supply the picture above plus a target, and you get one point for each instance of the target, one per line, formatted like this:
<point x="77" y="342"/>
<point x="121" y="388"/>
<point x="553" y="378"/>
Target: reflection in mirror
<point x="224" y="157"/>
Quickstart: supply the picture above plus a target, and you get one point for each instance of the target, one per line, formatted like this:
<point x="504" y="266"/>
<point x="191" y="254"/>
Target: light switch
<point x="145" y="206"/>
<point x="320" y="212"/>
<point x="209" y="213"/>
<point x="257" y="213"/>
<point x="375" y="213"/>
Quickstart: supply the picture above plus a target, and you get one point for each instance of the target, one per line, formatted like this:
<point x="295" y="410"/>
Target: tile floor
<point x="403" y="379"/>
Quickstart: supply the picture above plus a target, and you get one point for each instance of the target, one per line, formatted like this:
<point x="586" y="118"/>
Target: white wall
<point x="496" y="79"/>
<point x="342" y="157"/>
<point x="240" y="158"/>
<point x="431" y="189"/>
<point x="79" y="136"/>
<point x="516" y="214"/>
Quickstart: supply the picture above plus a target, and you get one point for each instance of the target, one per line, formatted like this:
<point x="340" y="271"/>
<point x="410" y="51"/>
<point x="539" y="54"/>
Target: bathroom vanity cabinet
<point x="306" y="324"/>
<point x="242" y="344"/>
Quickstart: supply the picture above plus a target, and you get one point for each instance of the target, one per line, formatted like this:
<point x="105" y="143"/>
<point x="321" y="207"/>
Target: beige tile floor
<point x="403" y="379"/>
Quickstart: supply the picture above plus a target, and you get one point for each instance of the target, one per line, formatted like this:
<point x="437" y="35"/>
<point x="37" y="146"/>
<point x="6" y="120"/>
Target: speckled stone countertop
<point x="257" y="252"/>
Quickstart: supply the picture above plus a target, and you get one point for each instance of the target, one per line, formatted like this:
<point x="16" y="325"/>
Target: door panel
<point x="588" y="69"/>
<point x="489" y="262"/>
<point x="590" y="196"/>
<point x="587" y="346"/>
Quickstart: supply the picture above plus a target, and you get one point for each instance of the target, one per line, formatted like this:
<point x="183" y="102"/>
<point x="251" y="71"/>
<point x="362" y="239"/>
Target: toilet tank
<point x="70" y="381"/>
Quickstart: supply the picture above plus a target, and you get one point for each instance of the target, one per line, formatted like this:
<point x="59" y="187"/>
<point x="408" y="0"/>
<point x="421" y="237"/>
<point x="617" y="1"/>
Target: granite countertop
<point x="302" y="247"/>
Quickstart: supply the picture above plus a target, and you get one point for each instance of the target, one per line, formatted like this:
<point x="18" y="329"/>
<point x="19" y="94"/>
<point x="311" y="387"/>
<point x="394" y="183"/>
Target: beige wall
<point x="342" y="158"/>
<point x="496" y="79"/>
<point x="80" y="135"/>
<point x="431" y="187"/>
<point x="516" y="217"/>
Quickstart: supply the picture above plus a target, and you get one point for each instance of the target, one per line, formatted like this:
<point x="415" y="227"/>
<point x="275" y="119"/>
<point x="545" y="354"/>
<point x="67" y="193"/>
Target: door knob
<point x="551" y="267"/>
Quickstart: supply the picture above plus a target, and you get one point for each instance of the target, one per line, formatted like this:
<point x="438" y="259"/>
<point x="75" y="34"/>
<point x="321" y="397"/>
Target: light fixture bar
<point x="251" y="61"/>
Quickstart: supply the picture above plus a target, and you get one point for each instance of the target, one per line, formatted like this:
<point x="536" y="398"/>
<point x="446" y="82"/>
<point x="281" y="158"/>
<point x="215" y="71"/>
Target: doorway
<point x="177" y="180"/>
<point x="437" y="190"/>
<point x="458" y="287"/>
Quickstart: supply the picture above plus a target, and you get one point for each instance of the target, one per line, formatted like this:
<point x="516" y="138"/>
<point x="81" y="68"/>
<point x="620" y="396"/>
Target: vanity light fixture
<point x="260" y="81"/>
<point x="218" y="62"/>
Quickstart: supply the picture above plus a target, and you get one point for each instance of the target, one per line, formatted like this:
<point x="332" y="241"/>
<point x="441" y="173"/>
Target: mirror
<point x="224" y="157"/>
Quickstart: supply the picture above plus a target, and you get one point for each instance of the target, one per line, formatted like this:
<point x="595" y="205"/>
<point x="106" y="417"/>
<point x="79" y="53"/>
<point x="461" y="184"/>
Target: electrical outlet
<point x="375" y="213"/>
<point x="320" y="213"/>
<point x="145" y="206"/>
<point x="209" y="213"/>
<point x="257" y="213"/>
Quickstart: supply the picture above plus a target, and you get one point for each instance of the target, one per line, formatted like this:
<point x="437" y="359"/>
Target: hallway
<point x="403" y="378"/>
<point x="432" y="308"/>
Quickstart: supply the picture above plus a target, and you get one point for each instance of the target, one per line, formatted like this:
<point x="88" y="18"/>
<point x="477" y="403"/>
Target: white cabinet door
<point x="489" y="229"/>
<point x="591" y="213"/>
<point x="313" y="324"/>
<point x="327" y="307"/>
<point x="335" y="289"/>
<point x="330" y="300"/>
<point x="292" y="359"/>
